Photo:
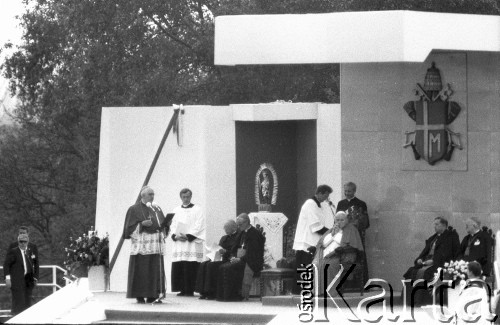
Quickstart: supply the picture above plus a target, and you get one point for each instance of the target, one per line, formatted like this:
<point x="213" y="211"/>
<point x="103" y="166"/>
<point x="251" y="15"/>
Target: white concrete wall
<point x="350" y="37"/>
<point x="205" y="163"/>
<point x="329" y="151"/>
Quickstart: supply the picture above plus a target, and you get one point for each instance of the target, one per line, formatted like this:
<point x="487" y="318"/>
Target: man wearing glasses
<point x="21" y="274"/>
<point x="31" y="247"/>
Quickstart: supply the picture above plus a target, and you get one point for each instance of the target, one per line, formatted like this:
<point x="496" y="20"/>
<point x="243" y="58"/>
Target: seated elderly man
<point x="236" y="276"/>
<point x="440" y="248"/>
<point x="206" y="280"/>
<point x="340" y="245"/>
<point x="476" y="246"/>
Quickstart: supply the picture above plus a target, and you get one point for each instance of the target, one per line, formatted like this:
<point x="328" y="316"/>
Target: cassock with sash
<point x="23" y="269"/>
<point x="235" y="278"/>
<point x="146" y="271"/>
<point x="187" y="255"/>
<point x="206" y="280"/>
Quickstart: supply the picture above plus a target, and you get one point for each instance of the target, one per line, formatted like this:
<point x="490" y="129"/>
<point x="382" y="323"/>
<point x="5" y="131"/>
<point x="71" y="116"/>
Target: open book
<point x="213" y="252"/>
<point x="182" y="228"/>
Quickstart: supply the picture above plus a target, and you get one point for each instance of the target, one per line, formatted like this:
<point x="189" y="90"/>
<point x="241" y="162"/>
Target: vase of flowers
<point x="88" y="256"/>
<point x="455" y="271"/>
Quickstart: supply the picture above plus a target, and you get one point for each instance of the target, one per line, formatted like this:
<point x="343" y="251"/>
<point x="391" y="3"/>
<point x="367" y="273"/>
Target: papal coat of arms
<point x="432" y="139"/>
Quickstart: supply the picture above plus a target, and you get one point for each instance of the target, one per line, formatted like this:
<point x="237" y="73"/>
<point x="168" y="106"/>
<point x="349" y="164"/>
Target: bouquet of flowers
<point x="455" y="270"/>
<point x="88" y="250"/>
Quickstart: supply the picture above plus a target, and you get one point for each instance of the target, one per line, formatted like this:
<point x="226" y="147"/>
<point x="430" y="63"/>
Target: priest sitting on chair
<point x="206" y="280"/>
<point x="440" y="248"/>
<point x="247" y="261"/>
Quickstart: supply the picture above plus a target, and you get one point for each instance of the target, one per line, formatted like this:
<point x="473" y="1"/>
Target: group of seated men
<point x="444" y="246"/>
<point x="242" y="252"/>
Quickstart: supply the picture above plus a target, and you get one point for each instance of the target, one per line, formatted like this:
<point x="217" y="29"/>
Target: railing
<point x="52" y="284"/>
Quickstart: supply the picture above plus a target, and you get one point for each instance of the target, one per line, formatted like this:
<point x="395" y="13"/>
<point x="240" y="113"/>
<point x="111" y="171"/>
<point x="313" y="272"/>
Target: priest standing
<point x="351" y="202"/>
<point x="146" y="227"/>
<point x="188" y="234"/>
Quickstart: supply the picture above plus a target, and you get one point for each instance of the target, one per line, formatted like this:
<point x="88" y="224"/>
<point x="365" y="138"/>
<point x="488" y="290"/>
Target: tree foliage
<point x="80" y="55"/>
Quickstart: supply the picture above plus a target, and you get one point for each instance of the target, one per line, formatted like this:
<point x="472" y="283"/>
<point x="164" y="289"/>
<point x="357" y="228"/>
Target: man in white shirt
<point x="311" y="224"/>
<point x="188" y="234"/>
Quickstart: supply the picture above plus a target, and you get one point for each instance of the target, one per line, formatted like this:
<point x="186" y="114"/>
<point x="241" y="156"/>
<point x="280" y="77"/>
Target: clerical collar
<point x="190" y="205"/>
<point x="317" y="202"/>
<point x="349" y="200"/>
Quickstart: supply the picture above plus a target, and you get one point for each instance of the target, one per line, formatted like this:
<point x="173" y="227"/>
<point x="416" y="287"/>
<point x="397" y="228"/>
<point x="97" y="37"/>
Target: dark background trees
<point x="80" y="55"/>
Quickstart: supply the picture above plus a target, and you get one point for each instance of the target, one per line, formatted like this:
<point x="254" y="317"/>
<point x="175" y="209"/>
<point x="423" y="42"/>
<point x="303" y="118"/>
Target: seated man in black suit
<point x="21" y="274"/>
<point x="206" y="279"/>
<point x="440" y="248"/>
<point x="247" y="261"/>
<point x="31" y="247"/>
<point x="476" y="246"/>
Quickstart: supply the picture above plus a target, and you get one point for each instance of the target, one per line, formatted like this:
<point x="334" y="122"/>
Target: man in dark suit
<point x="352" y="205"/>
<point x="31" y="247"/>
<point x="358" y="213"/>
<point x="21" y="274"/>
<point x="246" y="262"/>
<point x="476" y="246"/>
<point x="440" y="248"/>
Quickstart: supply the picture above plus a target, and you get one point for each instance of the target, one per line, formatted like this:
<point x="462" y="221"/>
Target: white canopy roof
<point x="350" y="37"/>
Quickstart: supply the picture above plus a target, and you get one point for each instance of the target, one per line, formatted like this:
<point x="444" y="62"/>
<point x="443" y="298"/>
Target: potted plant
<point x="455" y="271"/>
<point x="88" y="256"/>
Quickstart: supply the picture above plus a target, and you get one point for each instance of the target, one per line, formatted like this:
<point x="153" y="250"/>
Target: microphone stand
<point x="160" y="294"/>
<point x="332" y="206"/>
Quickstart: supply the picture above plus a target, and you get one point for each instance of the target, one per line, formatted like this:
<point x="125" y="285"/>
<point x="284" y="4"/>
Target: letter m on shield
<point x="431" y="138"/>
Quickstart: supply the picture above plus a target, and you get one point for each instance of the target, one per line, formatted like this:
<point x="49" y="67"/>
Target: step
<point x="174" y="317"/>
<point x="350" y="299"/>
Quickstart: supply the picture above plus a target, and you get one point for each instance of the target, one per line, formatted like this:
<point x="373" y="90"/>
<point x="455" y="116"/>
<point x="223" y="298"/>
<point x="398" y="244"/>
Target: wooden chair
<point x="356" y="280"/>
<point x="255" y="290"/>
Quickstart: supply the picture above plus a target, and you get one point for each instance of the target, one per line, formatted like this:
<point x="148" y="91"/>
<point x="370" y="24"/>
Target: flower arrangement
<point x="88" y="250"/>
<point x="455" y="270"/>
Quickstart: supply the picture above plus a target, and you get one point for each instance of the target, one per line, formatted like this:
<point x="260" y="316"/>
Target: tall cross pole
<point x="173" y="120"/>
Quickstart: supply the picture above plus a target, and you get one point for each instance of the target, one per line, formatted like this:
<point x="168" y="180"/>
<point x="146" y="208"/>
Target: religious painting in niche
<point x="266" y="187"/>
<point x="433" y="112"/>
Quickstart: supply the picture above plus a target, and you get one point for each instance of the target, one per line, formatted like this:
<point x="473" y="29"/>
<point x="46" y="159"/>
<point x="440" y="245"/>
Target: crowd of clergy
<point x="325" y="235"/>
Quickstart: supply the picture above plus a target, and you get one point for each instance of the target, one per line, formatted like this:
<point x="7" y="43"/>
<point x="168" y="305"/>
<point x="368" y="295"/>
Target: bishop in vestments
<point x="146" y="227"/>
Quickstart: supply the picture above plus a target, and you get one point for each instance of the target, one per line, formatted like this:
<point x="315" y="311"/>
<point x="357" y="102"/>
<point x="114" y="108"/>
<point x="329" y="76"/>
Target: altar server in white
<point x="188" y="234"/>
<point x="315" y="219"/>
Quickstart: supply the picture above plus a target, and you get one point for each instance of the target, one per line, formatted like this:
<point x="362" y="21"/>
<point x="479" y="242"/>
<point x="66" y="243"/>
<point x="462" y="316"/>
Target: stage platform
<point x="114" y="308"/>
